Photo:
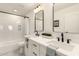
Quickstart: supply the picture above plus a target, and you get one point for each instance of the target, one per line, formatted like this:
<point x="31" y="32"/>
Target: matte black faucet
<point x="62" y="37"/>
<point x="37" y="34"/>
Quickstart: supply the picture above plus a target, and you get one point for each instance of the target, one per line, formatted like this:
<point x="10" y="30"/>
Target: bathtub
<point x="12" y="48"/>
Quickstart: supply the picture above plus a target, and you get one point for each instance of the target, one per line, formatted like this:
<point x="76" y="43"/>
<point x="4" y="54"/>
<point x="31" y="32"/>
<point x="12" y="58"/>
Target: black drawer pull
<point x="34" y="53"/>
<point x="35" y="45"/>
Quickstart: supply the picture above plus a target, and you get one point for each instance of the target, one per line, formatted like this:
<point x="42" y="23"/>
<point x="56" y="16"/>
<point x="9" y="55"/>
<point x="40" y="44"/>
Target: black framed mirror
<point x="39" y="21"/>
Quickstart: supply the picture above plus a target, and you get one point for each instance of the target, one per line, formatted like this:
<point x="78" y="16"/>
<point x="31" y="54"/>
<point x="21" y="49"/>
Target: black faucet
<point x="37" y="34"/>
<point x="62" y="37"/>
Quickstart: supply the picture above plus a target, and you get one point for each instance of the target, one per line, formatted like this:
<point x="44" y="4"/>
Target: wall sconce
<point x="38" y="8"/>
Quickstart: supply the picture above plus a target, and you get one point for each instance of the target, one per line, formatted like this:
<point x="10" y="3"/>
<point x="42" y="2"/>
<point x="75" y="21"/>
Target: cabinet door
<point x="26" y="49"/>
<point x="42" y="50"/>
<point x="26" y="46"/>
<point x="33" y="48"/>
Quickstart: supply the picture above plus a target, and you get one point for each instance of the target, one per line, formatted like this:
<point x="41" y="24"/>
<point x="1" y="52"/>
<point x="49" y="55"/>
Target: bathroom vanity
<point x="40" y="46"/>
<point x="64" y="21"/>
<point x="37" y="46"/>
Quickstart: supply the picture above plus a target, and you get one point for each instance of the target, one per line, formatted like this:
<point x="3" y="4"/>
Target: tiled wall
<point x="11" y="27"/>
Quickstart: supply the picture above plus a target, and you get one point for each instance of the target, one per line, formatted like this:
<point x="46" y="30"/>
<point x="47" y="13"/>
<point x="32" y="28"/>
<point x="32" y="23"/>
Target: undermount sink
<point x="54" y="43"/>
<point x="60" y="45"/>
<point x="67" y="47"/>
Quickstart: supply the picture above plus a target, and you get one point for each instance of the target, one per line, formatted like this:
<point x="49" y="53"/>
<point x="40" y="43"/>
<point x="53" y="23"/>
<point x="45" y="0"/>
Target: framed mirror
<point x="39" y="21"/>
<point x="66" y="17"/>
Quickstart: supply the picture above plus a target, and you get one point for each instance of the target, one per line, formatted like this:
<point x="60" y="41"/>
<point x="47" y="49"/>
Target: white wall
<point x="47" y="18"/>
<point x="11" y="21"/>
<point x="66" y="16"/>
<point x="30" y="20"/>
<point x="48" y="21"/>
<point x="27" y="26"/>
<point x="68" y="19"/>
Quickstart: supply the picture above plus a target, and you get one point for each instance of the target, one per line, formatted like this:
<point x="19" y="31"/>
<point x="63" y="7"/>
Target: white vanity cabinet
<point x="36" y="49"/>
<point x="42" y="50"/>
<point x="26" y="49"/>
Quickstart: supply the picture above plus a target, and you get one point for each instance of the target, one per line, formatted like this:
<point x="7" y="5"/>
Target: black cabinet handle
<point x="27" y="45"/>
<point x="27" y="40"/>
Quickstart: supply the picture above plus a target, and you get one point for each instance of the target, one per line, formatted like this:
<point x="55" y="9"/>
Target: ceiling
<point x="59" y="6"/>
<point x="17" y="8"/>
<point x="23" y="8"/>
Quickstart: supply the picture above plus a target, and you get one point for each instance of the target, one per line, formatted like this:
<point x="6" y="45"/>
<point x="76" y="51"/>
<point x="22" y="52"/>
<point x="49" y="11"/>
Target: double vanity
<point x="42" y="46"/>
<point x="64" y="23"/>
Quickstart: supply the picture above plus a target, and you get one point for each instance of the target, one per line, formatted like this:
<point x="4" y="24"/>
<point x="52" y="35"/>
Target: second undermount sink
<point x="67" y="47"/>
<point x="60" y="45"/>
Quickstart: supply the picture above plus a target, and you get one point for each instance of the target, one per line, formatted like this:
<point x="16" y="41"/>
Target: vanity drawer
<point x="35" y="53"/>
<point x="35" y="46"/>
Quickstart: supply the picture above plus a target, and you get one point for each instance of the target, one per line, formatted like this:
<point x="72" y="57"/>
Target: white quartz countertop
<point x="40" y="40"/>
<point x="44" y="41"/>
<point x="73" y="52"/>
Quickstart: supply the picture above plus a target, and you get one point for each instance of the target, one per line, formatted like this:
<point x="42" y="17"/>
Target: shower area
<point x="11" y="35"/>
